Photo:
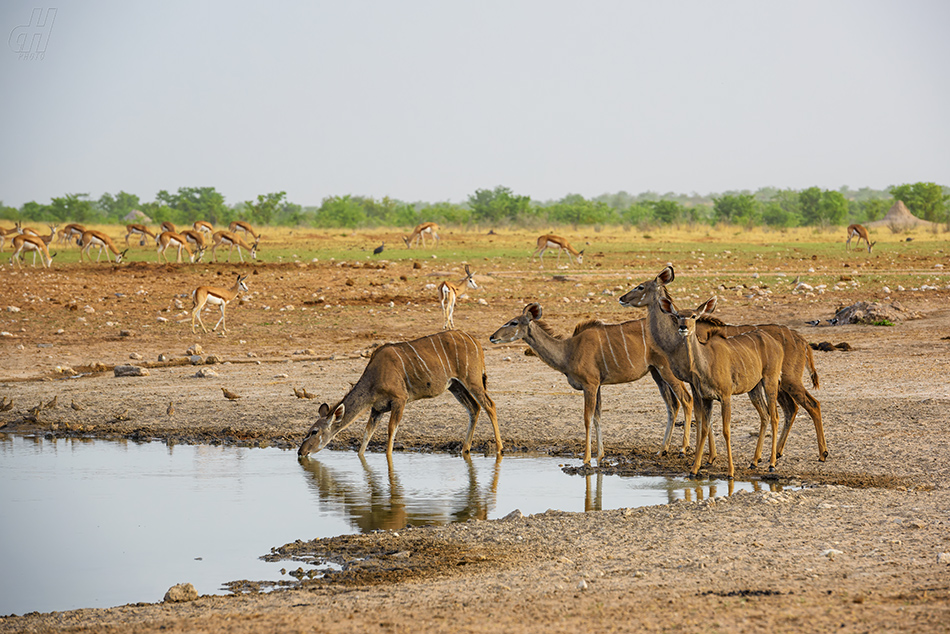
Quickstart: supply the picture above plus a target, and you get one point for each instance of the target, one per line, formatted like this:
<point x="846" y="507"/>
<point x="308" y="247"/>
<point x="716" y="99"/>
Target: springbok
<point x="203" y="226"/>
<point x="92" y="238"/>
<point x="240" y="225"/>
<point x="231" y="240"/>
<point x="168" y="226"/>
<point x="859" y="232"/>
<point x="171" y="240"/>
<point x="138" y="230"/>
<point x="23" y="242"/>
<point x="198" y="239"/>
<point x="449" y="292"/>
<point x="71" y="232"/>
<point x="420" y="233"/>
<point x="600" y="354"/>
<point x="215" y="296"/>
<point x="550" y="241"/>
<point x="797" y="355"/>
<point x="13" y="231"/>
<point x="399" y="373"/>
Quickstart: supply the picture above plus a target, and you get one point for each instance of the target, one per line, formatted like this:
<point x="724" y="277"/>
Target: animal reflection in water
<point x="676" y="489"/>
<point x="383" y="503"/>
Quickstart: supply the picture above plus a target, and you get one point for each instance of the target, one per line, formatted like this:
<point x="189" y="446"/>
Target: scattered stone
<point x="64" y="369"/>
<point x="163" y="358"/>
<point x="282" y="375"/>
<point x="514" y="515"/>
<point x="161" y="319"/>
<point x="251" y="355"/>
<point x="481" y="301"/>
<point x="943" y="558"/>
<point x="581" y="585"/>
<point x="126" y="333"/>
<point x="831" y="553"/>
<point x="60" y="332"/>
<point x="6" y="334"/>
<point x="205" y="373"/>
<point x="135" y="356"/>
<point x="306" y="352"/>
<point x="181" y="593"/>
<point x="194" y="359"/>
<point x="195" y="349"/>
<point x="13" y="309"/>
<point x="211" y="359"/>
<point x="873" y="313"/>
<point x="89" y="309"/>
<point x="130" y="370"/>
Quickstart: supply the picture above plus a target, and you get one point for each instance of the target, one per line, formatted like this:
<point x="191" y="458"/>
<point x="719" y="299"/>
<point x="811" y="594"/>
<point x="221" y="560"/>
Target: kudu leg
<point x="597" y="428"/>
<point x="469" y="403"/>
<point x="590" y="404"/>
<point x="374" y="417"/>
<point x="395" y="415"/>
<point x="483" y="399"/>
<point x="802" y="397"/>
<point x="703" y="409"/>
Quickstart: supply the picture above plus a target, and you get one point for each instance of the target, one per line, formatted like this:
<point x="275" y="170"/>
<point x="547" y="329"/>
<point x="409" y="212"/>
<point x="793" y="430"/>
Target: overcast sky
<point x="433" y="100"/>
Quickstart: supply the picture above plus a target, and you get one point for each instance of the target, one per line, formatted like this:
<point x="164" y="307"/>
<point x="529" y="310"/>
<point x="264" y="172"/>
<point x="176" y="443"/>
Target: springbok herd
<point x="676" y="346"/>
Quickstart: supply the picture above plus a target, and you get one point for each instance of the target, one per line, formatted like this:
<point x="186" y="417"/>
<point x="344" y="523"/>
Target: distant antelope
<point x="138" y="230"/>
<point x="240" y="225"/>
<point x="92" y="238"/>
<point x="203" y="226"/>
<point x="30" y="231"/>
<point x="71" y="232"/>
<point x="449" y="292"/>
<point x="230" y="240"/>
<point x="170" y="240"/>
<point x="399" y="373"/>
<point x="724" y="366"/>
<point x="420" y="233"/>
<point x="24" y="242"/>
<point x="599" y="354"/>
<point x="550" y="241"/>
<point x="797" y="355"/>
<point x="215" y="296"/>
<point x="13" y="231"/>
<point x="859" y="232"/>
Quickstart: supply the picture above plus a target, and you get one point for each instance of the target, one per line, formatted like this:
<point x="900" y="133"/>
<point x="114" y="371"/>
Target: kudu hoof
<point x="771" y="469"/>
<point x="753" y="465"/>
<point x="823" y="456"/>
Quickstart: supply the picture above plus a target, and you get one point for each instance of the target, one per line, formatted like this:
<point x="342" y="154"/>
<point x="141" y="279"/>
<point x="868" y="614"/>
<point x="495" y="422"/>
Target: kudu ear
<point x="338" y="412"/>
<point x="666" y="305"/>
<point x="324" y="410"/>
<point x="708" y="306"/>
<point x="533" y="311"/>
<point x="666" y="276"/>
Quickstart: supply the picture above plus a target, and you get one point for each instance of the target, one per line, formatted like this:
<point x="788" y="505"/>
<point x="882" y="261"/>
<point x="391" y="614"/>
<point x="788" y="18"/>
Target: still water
<point x="92" y="523"/>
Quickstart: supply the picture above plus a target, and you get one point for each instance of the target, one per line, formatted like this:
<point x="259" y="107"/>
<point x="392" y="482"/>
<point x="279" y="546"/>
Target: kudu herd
<point x="676" y="346"/>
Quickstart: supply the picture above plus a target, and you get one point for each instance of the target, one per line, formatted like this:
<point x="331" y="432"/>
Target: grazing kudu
<point x="859" y="232"/>
<point x="550" y="241"/>
<point x="171" y="240"/>
<point x="420" y="233"/>
<point x="231" y="240"/>
<point x="724" y="366"/>
<point x="138" y="230"/>
<point x="600" y="354"/>
<point x="216" y="296"/>
<point x="449" y="292"/>
<point x="240" y="225"/>
<point x="398" y="373"/>
<point x="797" y="354"/>
<point x="92" y="238"/>
<point x="36" y="244"/>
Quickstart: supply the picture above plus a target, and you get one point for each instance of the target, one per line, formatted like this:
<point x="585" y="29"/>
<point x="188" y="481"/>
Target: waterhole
<point x="93" y="523"/>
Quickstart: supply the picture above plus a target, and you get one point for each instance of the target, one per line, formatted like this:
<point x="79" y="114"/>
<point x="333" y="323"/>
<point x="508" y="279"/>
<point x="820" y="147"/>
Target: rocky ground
<point x="856" y="543"/>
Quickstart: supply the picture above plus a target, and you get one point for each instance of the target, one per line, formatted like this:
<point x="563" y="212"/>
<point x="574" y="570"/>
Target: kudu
<point x="724" y="366"/>
<point x="797" y="354"/>
<point x="600" y="354"/>
<point x="399" y="373"/>
<point x="448" y="294"/>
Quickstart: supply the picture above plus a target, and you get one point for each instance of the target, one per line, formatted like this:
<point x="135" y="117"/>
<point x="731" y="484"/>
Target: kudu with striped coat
<point x="399" y="373"/>
<point x="600" y="354"/>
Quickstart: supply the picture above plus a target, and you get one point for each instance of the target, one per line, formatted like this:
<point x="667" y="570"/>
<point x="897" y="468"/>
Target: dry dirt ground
<point x="854" y="544"/>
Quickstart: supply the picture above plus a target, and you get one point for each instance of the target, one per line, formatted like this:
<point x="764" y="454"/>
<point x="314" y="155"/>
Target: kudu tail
<point x="810" y="360"/>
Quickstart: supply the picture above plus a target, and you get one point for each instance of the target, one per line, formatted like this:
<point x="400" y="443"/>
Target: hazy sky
<point x="433" y="100"/>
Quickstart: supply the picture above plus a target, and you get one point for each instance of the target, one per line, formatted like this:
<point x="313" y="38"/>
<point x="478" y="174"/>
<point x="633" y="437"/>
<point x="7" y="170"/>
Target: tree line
<point x="773" y="207"/>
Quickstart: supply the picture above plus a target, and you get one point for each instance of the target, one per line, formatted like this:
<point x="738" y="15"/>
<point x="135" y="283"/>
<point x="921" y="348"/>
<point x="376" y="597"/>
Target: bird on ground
<point x="52" y="403"/>
<point x="171" y="409"/>
<point x="231" y="396"/>
<point x="123" y="416"/>
<point x="379" y="249"/>
<point x="798" y="278"/>
<point x="6" y="407"/>
<point x="76" y="406"/>
<point x="307" y="394"/>
<point x="298" y="393"/>
<point x="813" y="322"/>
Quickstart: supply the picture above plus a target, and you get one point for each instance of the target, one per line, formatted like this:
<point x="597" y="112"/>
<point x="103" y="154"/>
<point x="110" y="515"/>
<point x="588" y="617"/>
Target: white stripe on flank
<point x="626" y="350"/>
<point x="405" y="372"/>
<point x="612" y="355"/>
<point x="439" y="357"/>
<point x="421" y="360"/>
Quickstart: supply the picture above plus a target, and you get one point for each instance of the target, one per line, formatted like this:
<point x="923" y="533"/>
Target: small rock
<point x="161" y="319"/>
<point x="481" y="301"/>
<point x="514" y="515"/>
<point x="89" y="309"/>
<point x="162" y="358"/>
<point x="13" y="309"/>
<point x="195" y="349"/>
<point x="251" y="355"/>
<point x="943" y="558"/>
<point x="581" y="585"/>
<point x="181" y="593"/>
<point x="211" y="359"/>
<point x="130" y="370"/>
<point x="135" y="356"/>
<point x="60" y="331"/>
<point x="194" y="359"/>
<point x="126" y="333"/>
<point x="205" y="373"/>
<point x="831" y="553"/>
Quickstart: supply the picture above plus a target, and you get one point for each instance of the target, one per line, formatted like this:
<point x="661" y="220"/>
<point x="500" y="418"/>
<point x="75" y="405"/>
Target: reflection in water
<point x="382" y="502"/>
